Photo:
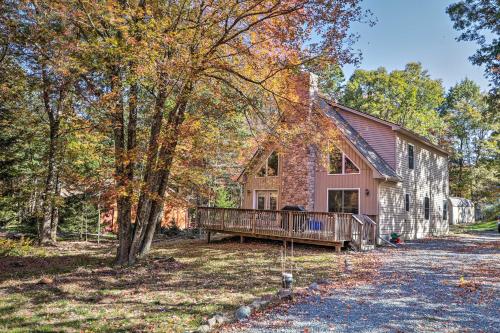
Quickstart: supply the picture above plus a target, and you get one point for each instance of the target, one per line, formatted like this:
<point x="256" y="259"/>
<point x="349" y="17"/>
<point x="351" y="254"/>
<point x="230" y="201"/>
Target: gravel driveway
<point x="447" y="284"/>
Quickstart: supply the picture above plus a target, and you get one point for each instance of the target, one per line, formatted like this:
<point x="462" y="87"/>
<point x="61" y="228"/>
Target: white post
<point x="98" y="222"/>
<point x="86" y="225"/>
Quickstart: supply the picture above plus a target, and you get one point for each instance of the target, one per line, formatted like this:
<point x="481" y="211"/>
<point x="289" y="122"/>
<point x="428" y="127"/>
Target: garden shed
<point x="461" y="210"/>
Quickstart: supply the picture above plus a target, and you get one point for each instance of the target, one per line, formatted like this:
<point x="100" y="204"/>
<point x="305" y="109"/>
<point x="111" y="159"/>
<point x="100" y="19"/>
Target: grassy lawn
<point x="475" y="227"/>
<point x="88" y="294"/>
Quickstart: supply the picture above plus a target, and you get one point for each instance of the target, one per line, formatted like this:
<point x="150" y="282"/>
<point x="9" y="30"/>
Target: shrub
<point x="18" y="248"/>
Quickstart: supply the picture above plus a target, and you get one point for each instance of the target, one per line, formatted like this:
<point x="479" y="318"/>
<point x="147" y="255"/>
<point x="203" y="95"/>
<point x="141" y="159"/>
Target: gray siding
<point x="428" y="179"/>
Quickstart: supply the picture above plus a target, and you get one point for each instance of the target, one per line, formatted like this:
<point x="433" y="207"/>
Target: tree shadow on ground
<point x="179" y="283"/>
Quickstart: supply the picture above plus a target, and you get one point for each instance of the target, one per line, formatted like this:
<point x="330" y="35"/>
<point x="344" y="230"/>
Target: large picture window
<point x="340" y="164"/>
<point x="343" y="201"/>
<point x="270" y="167"/>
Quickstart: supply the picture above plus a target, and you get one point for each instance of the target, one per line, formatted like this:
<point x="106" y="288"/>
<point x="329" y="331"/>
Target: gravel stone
<point x="418" y="290"/>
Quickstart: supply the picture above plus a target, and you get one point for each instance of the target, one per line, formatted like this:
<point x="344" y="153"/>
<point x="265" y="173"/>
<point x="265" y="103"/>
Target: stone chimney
<point x="299" y="158"/>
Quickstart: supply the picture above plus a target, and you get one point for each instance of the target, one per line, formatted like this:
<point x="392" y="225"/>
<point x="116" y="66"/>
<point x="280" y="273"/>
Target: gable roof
<point x="366" y="152"/>
<point x="359" y="143"/>
<point x="393" y="126"/>
<point x="460" y="202"/>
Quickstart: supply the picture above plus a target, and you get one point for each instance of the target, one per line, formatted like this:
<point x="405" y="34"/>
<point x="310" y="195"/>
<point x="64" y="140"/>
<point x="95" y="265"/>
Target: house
<point x="175" y="214"/>
<point x="372" y="167"/>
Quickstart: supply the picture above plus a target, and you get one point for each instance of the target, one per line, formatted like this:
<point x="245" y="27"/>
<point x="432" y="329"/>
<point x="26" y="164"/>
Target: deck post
<point x="253" y="222"/>
<point x="242" y="239"/>
<point x="335" y="228"/>
<point x="222" y="222"/>
<point x="208" y="236"/>
<point x="290" y="224"/>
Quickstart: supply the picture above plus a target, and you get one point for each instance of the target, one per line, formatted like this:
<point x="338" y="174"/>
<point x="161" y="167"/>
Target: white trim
<point x="254" y="200"/>
<point x="342" y="189"/>
<point x="344" y="155"/>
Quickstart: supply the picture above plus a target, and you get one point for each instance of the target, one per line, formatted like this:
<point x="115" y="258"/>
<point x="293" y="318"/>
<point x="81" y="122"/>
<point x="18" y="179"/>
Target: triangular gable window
<point x="349" y="166"/>
<point x="270" y="166"/>
<point x="340" y="164"/>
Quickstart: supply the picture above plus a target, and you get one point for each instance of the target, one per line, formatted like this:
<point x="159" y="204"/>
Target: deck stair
<point x="364" y="238"/>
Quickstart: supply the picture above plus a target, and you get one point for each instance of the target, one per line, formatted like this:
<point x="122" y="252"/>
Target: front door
<point x="267" y="200"/>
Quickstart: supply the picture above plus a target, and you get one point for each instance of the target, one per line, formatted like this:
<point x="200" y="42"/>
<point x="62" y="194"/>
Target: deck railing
<point x="314" y="226"/>
<point x="365" y="230"/>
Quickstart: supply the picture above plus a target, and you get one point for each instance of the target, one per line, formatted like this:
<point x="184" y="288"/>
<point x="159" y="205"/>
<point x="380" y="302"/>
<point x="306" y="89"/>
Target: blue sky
<point x="415" y="30"/>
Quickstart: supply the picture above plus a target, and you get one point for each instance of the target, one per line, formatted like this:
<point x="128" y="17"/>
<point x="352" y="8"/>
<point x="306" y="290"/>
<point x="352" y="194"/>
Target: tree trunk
<point x="159" y="162"/>
<point x="147" y="190"/>
<point x="143" y="206"/>
<point x="55" y="210"/>
<point x="48" y="194"/>
<point x="123" y="200"/>
<point x="460" y="168"/>
<point x="44" y="232"/>
<point x="165" y="159"/>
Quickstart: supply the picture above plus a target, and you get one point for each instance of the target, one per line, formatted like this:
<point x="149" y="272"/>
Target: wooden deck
<point x="330" y="229"/>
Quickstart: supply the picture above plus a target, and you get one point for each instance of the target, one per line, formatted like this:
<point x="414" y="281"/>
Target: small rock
<point x="212" y="322"/>
<point x="243" y="312"/>
<point x="220" y="319"/>
<point x="324" y="281"/>
<point x="256" y="304"/>
<point x="314" y="286"/>
<point x="203" y="329"/>
<point x="259" y="304"/>
<point x="46" y="280"/>
<point x="347" y="266"/>
<point x="284" y="294"/>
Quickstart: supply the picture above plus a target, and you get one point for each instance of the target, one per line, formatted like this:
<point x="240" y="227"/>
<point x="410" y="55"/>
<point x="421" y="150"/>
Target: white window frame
<point x="343" y="189"/>
<point x="254" y="205"/>
<point x="343" y="166"/>
<point x="266" y="166"/>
